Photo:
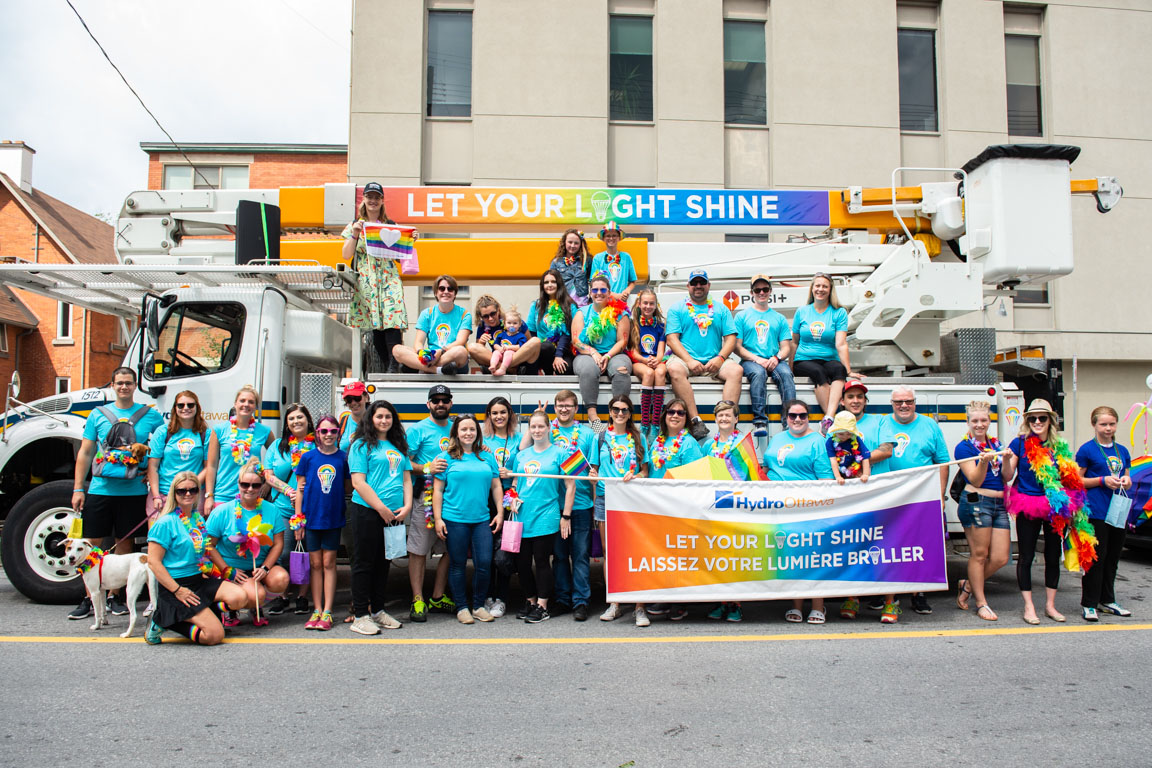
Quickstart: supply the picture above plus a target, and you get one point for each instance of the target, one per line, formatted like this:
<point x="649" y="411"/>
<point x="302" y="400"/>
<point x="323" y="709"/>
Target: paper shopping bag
<point x="510" y="536"/>
<point x="395" y="541"/>
<point x="299" y="565"/>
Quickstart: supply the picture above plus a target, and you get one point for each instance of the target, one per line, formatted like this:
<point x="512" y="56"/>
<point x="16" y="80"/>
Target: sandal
<point x="986" y="613"/>
<point x="793" y="616"/>
<point x="962" y="594"/>
<point x="1055" y="616"/>
<point x="815" y="617"/>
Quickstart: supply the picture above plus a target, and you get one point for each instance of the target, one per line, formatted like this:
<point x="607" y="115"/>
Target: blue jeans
<point x="757" y="376"/>
<point x="461" y="536"/>
<point x="571" y="581"/>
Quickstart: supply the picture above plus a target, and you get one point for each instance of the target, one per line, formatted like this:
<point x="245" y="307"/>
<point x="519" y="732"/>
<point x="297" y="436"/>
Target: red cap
<point x="354" y="389"/>
<point x="851" y="383"/>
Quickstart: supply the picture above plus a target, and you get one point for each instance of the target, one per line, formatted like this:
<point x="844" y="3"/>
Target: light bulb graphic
<point x="600" y="202"/>
<point x="781" y="537"/>
<point x="874" y="553"/>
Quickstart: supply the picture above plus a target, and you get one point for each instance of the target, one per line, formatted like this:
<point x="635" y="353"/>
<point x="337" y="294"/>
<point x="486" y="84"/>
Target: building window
<point x="745" y="238"/>
<point x="1036" y="294"/>
<point x="630" y="68"/>
<point x="4" y="338"/>
<point x="917" y="53"/>
<point x="449" y="64"/>
<point x="63" y="320"/>
<point x="63" y="385"/>
<point x="206" y="177"/>
<point x="745" y="73"/>
<point x="1022" y="67"/>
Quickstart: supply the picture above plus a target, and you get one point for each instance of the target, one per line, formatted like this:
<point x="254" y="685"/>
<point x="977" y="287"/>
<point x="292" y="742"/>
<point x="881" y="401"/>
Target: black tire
<point x="35" y="508"/>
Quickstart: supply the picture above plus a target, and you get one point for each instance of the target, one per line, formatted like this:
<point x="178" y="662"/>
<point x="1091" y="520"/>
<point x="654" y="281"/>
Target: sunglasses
<point x="797" y="416"/>
<point x="596" y="291"/>
<point x="352" y="400"/>
<point x="677" y="412"/>
<point x="904" y="402"/>
<point x="185" y="406"/>
<point x="489" y="315"/>
<point x="441" y="400"/>
<point x="698" y="282"/>
<point x="445" y="289"/>
<point x="619" y="409"/>
<point x="327" y="431"/>
<point x="1036" y="419"/>
<point x="766" y="289"/>
<point x="249" y="486"/>
<point x="187" y="491"/>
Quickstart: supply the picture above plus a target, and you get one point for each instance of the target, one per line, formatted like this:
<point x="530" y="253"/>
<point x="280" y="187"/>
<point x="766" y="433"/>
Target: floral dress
<point x="379" y="300"/>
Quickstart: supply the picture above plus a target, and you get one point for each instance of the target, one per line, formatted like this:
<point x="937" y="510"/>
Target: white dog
<point x="110" y="572"/>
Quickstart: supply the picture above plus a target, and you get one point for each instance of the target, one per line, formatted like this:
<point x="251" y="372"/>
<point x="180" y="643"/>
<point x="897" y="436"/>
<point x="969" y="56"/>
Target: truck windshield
<point x="197" y="339"/>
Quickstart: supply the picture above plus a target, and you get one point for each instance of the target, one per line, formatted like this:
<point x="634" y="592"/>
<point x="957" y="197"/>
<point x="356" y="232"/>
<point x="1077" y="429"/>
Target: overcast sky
<point x="210" y="70"/>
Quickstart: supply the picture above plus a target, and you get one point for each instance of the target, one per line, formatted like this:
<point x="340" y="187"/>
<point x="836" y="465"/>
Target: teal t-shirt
<point x="504" y="451"/>
<point x="918" y="443"/>
<point x="544" y="327"/>
<point x="280" y="462"/>
<point x="618" y="455"/>
<point x="467" y="487"/>
<point x="761" y="333"/>
<point x="96" y="428"/>
<point x="541" y="499"/>
<point x="228" y="469"/>
<point x="223" y="523"/>
<point x="180" y="558"/>
<point x="427" y="440"/>
<point x="620" y="271"/>
<point x="797" y="458"/>
<point x="585" y="440"/>
<point x="383" y="467"/>
<point x="347" y="429"/>
<point x="608" y="339"/>
<point x="701" y="345"/>
<point x="442" y="328"/>
<point x="869" y="425"/>
<point x="688" y="452"/>
<point x="817" y="331"/>
<point x="185" y="451"/>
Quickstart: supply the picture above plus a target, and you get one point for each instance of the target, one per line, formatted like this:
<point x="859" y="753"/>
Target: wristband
<point x="565" y="517"/>
<point x="78" y="490"/>
<point x="428" y="468"/>
<point x="174" y="591"/>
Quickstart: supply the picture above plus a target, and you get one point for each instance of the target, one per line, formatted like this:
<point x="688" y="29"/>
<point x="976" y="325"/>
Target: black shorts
<point x="820" y="372"/>
<point x="113" y="515"/>
<point x="170" y="611"/>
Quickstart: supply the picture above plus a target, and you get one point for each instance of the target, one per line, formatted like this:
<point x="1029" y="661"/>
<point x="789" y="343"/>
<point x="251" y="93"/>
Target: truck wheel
<point x="32" y="545"/>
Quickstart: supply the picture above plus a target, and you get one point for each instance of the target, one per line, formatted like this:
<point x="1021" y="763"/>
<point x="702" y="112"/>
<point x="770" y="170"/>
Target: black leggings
<point x="369" y="565"/>
<point x="538" y="584"/>
<point x="1099" y="583"/>
<point x="820" y="372"/>
<point x="544" y="359"/>
<point x="384" y="340"/>
<point x="1027" y="531"/>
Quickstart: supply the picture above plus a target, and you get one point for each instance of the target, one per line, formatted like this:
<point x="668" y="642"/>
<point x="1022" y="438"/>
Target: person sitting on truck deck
<point x="441" y="334"/>
<point x="508" y="342"/>
<point x="378" y="304"/>
<point x="764" y="343"/>
<point x="115" y="504"/>
<point x="355" y="397"/>
<point x="549" y="319"/>
<point x="820" y="333"/>
<point x="701" y="335"/>
<point x="489" y="329"/>
<point x="600" y="333"/>
<point x="615" y="263"/>
<point x="234" y="443"/>
<point x="181" y="445"/>
<point x="573" y="262"/>
<point x="648" y="351"/>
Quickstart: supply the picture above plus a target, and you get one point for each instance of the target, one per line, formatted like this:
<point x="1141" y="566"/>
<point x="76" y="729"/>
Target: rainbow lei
<point x="299" y="447"/>
<point x="91" y="560"/>
<point x="194" y="524"/>
<point x="991" y="444"/>
<point x="573" y="442"/>
<point x="662" y="450"/>
<point x="554" y="317"/>
<point x="426" y="356"/>
<point x="702" y="320"/>
<point x="1058" y="475"/>
<point x="599" y="323"/>
<point x="241" y="443"/>
<point x="850" y="459"/>
<point x="127" y="458"/>
<point x="429" y="514"/>
<point x="628" y="451"/>
<point x="297" y="521"/>
<point x="511" y="500"/>
<point x="720" y="450"/>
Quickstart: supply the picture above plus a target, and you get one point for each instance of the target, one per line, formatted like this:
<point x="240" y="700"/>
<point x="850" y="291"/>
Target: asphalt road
<point x="933" y="690"/>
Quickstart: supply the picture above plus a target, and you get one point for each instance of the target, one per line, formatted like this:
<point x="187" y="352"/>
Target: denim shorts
<point x="598" y="512"/>
<point x="322" y="538"/>
<point x="985" y="512"/>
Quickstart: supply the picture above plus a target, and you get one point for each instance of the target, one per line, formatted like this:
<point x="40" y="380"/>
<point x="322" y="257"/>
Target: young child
<point x="321" y="477"/>
<point x="647" y="349"/>
<point x="507" y="340"/>
<point x="847" y="451"/>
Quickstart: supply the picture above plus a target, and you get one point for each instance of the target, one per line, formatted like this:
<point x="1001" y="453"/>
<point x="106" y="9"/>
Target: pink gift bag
<point x="511" y="533"/>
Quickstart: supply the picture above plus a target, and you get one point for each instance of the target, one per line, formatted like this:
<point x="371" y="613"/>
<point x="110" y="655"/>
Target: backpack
<point x="114" y="457"/>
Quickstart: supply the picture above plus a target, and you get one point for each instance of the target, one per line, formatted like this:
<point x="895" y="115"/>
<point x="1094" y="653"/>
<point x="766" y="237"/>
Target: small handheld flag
<point x="575" y="464"/>
<point x="742" y="461"/>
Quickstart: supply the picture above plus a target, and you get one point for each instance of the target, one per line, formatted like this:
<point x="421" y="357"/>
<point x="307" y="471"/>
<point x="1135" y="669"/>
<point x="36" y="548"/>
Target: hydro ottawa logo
<point x="738" y="500"/>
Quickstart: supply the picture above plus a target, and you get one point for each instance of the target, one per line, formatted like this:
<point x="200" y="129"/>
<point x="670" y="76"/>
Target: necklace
<point x="663" y="450"/>
<point x="620" y="454"/>
<point x="989" y="444"/>
<point x="241" y="443"/>
<point x="573" y="441"/>
<point x="720" y="450"/>
<point x="299" y="447"/>
<point x="702" y="319"/>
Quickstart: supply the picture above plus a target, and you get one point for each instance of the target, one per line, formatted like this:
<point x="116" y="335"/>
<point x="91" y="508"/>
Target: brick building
<point x="245" y="166"/>
<point x="68" y="348"/>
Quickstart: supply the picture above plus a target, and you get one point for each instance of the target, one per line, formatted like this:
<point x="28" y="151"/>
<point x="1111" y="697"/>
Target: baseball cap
<point x="697" y="273"/>
<point x="854" y="383"/>
<point x="758" y="278"/>
<point x="354" y="389"/>
<point x="439" y="390"/>
<point x="373" y="186"/>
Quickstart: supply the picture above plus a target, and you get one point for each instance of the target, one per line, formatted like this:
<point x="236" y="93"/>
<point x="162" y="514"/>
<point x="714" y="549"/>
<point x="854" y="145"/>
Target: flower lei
<point x="426" y="355"/>
<point x="241" y="444"/>
<point x="663" y="451"/>
<point x="990" y="444"/>
<point x="299" y="447"/>
<point x="193" y="523"/>
<point x="599" y="323"/>
<point x="297" y="521"/>
<point x="239" y="512"/>
<point x="1058" y="475"/>
<point x="511" y="500"/>
<point x="125" y="457"/>
<point x="702" y="319"/>
<point x="573" y="442"/>
<point x="619" y="453"/>
<point x="720" y="450"/>
<point x="850" y="459"/>
<point x="91" y="560"/>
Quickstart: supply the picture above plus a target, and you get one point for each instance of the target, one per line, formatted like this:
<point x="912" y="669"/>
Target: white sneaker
<point x="365" y="626"/>
<point x="384" y="621"/>
<point x="611" y="613"/>
<point x="642" y="617"/>
<point x="482" y="614"/>
<point x="498" y="608"/>
<point x="464" y="616"/>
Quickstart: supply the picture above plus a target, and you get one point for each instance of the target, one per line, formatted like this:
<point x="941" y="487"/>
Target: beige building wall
<point x="540" y="116"/>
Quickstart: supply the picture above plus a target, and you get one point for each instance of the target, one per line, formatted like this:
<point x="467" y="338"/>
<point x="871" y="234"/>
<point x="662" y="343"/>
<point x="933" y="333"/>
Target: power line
<point x="133" y="90"/>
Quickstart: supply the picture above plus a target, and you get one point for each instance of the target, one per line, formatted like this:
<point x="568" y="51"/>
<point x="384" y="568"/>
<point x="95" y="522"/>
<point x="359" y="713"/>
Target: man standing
<point x="355" y="400"/>
<point x="764" y="342"/>
<point x="572" y="584"/>
<point x="114" y="504"/>
<point x="701" y="335"/>
<point x="425" y="442"/>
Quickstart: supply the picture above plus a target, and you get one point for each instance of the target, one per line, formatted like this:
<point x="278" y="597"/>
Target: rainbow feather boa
<point x="1059" y="476"/>
<point x="599" y="323"/>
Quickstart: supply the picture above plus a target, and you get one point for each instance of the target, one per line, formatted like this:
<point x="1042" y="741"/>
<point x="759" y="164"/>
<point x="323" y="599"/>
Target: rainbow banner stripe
<point x="698" y="541"/>
<point x="742" y="461"/>
<point x="390" y="242"/>
<point x="575" y="464"/>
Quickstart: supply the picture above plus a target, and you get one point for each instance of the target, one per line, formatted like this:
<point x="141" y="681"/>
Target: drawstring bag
<point x="395" y="541"/>
<point x="299" y="565"/>
<point x="1118" y="509"/>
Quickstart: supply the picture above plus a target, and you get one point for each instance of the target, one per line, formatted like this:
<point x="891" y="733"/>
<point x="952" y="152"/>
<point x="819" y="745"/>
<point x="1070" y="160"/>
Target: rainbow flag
<point x="1141" y="474"/>
<point x="390" y="242"/>
<point x="742" y="461"/>
<point x="575" y="464"/>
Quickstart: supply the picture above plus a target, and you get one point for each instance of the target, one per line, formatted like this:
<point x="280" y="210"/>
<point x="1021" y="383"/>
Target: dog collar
<point x="95" y="558"/>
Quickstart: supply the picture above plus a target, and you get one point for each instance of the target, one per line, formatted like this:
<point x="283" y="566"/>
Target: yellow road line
<point x="877" y="635"/>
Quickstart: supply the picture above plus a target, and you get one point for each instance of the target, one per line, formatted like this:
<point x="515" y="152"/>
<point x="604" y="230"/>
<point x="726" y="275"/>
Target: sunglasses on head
<point x="249" y="486"/>
<point x="187" y="491"/>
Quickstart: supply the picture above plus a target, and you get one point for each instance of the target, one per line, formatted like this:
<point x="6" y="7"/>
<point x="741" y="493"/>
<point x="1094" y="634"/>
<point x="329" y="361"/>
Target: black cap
<point x="373" y="186"/>
<point x="439" y="390"/>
